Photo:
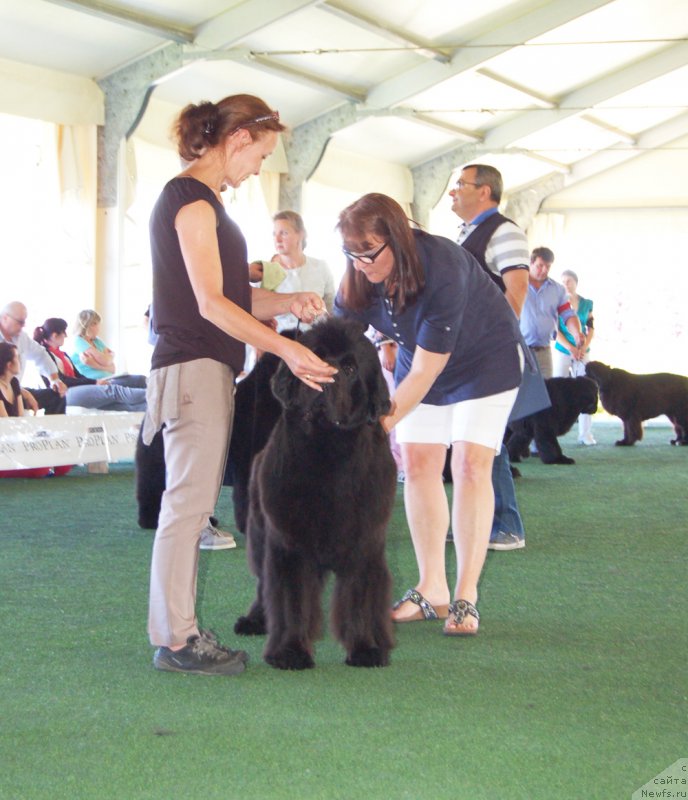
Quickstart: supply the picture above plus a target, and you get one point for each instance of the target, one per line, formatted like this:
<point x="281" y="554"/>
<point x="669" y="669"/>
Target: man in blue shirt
<point x="546" y="301"/>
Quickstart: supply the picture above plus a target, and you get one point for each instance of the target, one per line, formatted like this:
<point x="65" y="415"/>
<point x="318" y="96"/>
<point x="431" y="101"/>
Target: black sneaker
<point x="202" y="655"/>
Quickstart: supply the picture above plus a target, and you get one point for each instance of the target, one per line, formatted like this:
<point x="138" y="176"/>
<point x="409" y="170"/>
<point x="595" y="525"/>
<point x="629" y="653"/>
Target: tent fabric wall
<point x="625" y="232"/>
<point x="357" y="174"/>
<point x="655" y="179"/>
<point x="633" y="264"/>
<point x="49" y="95"/>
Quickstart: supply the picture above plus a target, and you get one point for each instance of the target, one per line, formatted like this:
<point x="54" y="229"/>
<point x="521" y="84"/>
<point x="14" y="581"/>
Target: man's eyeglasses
<point x="461" y="184"/>
<point x="364" y="258"/>
<point x="21" y="322"/>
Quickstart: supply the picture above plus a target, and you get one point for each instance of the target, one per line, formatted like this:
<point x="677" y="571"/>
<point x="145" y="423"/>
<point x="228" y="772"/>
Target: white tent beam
<point x="593" y="93"/>
<point x="661" y="135"/>
<point x="624" y="136"/>
<point x="382" y="28"/>
<point x="274" y="67"/>
<point x="157" y="26"/>
<point x="538" y="99"/>
<point x="423" y="119"/>
<point x="239" y="22"/>
<point x="487" y="45"/>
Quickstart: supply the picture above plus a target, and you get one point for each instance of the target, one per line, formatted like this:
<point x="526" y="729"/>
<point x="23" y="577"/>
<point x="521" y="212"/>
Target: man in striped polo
<point x="501" y="248"/>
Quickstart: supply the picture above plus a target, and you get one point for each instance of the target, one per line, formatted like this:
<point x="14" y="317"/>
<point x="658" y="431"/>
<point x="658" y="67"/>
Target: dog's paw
<point x="624" y="443"/>
<point x="368" y="657"/>
<point x="250" y="626"/>
<point x="290" y="658"/>
<point x="565" y="460"/>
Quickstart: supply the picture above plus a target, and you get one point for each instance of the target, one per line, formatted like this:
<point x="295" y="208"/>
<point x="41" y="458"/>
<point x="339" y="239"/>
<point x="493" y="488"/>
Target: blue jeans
<point x="107" y="397"/>
<point x="507" y="517"/>
<point x="132" y="381"/>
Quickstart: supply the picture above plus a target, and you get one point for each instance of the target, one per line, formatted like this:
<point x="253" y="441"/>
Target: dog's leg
<point x="633" y="432"/>
<point x="681" y="429"/>
<point x="292" y="588"/>
<point x="518" y="444"/>
<point x="254" y="622"/>
<point x="150" y="479"/>
<point x="549" y="448"/>
<point x="361" y="618"/>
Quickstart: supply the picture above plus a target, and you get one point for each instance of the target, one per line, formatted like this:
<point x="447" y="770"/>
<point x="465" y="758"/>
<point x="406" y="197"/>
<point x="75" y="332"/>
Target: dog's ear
<point x="284" y="386"/>
<point x="379" y="402"/>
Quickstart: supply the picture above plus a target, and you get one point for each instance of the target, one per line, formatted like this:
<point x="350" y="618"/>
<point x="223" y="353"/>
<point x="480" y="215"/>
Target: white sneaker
<point x="214" y="539"/>
<point x="588" y="440"/>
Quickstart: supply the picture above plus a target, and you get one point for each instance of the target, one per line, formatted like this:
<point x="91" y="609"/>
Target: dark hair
<point x="485" y="175"/>
<point x="7" y="352"/>
<point x="207" y="124"/>
<point x="296" y="222"/>
<point x="569" y="273"/>
<point x="385" y="218"/>
<point x="52" y="325"/>
<point x="544" y="253"/>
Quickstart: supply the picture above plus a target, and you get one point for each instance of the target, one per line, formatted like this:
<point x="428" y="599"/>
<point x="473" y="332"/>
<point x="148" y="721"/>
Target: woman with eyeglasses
<point x="205" y="311"/>
<point x="457" y="374"/>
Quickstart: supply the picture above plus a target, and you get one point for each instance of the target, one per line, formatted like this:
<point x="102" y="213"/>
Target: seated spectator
<point x="12" y="404"/>
<point x="86" y="392"/>
<point x="93" y="358"/>
<point x="12" y="321"/>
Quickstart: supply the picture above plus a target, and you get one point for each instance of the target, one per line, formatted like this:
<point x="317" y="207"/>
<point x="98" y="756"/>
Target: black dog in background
<point x="321" y="495"/>
<point x="570" y="397"/>
<point x="256" y="411"/>
<point x="635" y="398"/>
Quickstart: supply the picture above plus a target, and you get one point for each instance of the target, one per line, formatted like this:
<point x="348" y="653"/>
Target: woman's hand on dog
<point x="306" y="366"/>
<point x="307" y="306"/>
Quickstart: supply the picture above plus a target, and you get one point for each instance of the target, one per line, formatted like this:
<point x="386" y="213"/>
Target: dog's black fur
<point x="149" y="471"/>
<point x="570" y="397"/>
<point x="321" y="494"/>
<point x="635" y="398"/>
<point x="256" y="411"/>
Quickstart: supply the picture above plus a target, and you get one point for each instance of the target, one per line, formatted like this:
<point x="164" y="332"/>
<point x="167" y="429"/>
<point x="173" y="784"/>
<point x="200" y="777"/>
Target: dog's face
<point x="359" y="393"/>
<point x="598" y="371"/>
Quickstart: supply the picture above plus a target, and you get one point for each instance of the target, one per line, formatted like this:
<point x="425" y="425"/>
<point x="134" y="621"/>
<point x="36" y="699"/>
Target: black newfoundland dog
<point x="635" y="398"/>
<point x="570" y="397"/>
<point x="321" y="494"/>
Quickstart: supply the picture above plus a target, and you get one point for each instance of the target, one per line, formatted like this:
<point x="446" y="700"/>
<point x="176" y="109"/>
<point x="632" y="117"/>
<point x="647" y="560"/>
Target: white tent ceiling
<point x="537" y="87"/>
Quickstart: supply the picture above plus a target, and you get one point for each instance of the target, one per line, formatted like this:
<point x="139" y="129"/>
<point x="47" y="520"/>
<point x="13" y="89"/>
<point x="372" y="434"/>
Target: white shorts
<point x="481" y="421"/>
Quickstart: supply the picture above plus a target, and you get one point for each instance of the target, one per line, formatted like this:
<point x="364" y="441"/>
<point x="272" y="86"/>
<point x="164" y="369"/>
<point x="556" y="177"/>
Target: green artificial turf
<point x="574" y="688"/>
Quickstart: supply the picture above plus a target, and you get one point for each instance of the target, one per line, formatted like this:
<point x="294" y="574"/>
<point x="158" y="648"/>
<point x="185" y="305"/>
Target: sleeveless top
<point x="183" y="334"/>
<point x="12" y="408"/>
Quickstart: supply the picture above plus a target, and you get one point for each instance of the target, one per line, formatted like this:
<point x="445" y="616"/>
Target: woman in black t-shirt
<point x="205" y="310"/>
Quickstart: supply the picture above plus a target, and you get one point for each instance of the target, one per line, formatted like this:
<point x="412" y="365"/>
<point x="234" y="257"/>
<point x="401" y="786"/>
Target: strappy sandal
<point x="458" y="611"/>
<point x="425" y="610"/>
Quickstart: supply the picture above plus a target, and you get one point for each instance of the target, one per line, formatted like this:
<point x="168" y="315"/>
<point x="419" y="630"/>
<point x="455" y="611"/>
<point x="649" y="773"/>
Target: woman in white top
<point x="303" y="273"/>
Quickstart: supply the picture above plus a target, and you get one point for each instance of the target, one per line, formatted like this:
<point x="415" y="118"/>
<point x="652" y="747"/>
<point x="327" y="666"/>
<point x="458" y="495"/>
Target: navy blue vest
<point x="477" y="242"/>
